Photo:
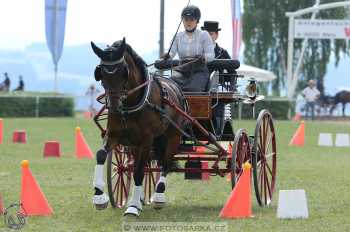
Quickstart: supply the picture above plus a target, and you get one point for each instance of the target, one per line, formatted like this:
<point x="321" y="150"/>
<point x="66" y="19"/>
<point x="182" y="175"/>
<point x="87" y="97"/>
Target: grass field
<point x="324" y="173"/>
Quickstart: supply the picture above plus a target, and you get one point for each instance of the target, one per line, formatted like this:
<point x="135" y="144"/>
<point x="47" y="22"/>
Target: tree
<point x="265" y="35"/>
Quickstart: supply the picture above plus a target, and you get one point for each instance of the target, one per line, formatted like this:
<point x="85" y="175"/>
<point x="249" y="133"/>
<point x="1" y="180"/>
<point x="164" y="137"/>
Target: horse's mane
<point x="140" y="63"/>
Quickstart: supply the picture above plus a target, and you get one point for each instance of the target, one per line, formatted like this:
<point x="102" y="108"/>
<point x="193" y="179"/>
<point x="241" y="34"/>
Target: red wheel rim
<point x="264" y="160"/>
<point x="241" y="152"/>
<point x="119" y="176"/>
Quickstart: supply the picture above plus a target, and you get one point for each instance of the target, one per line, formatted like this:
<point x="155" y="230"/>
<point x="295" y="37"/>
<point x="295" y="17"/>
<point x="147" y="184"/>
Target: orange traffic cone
<point x="1" y="128"/>
<point x="299" y="136"/>
<point x="296" y="117"/>
<point x="2" y="210"/>
<point x="33" y="200"/>
<point x="239" y="204"/>
<point x="82" y="149"/>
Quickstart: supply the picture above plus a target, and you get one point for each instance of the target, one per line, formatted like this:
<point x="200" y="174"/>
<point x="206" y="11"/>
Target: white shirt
<point x="311" y="94"/>
<point x="199" y="44"/>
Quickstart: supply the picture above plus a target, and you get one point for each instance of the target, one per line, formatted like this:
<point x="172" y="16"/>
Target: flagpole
<point x="55" y="81"/>
<point x="161" y="29"/>
<point x="55" y="43"/>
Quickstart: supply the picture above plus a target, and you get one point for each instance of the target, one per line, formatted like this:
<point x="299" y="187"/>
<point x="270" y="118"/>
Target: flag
<point x="236" y="28"/>
<point x="55" y="21"/>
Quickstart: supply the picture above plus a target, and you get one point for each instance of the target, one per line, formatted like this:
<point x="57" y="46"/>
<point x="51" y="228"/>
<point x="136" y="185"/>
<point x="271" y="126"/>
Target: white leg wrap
<point x="137" y="197"/>
<point x="158" y="198"/>
<point x="102" y="199"/>
<point x="98" y="178"/>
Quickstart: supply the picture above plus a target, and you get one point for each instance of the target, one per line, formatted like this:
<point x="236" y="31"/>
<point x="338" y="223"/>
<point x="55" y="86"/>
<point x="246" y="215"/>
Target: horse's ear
<point x="97" y="73"/>
<point x="98" y="51"/>
<point x="123" y="46"/>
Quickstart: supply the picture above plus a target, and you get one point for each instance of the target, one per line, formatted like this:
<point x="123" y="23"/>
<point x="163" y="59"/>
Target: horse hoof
<point x="132" y="211"/>
<point x="100" y="201"/>
<point x="158" y="205"/>
<point x="158" y="200"/>
<point x="101" y="206"/>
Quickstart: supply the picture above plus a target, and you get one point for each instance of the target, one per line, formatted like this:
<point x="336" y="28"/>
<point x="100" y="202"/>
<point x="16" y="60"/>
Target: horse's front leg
<point x="134" y="206"/>
<point x="100" y="199"/>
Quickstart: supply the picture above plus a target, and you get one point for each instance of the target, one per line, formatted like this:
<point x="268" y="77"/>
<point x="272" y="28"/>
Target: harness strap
<point x="139" y="87"/>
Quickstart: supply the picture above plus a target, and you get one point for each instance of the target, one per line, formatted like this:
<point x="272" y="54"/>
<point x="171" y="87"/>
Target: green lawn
<point x="324" y="173"/>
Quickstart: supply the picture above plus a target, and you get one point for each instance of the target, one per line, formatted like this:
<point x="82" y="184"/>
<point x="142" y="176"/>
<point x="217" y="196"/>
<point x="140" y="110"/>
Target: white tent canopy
<point x="250" y="72"/>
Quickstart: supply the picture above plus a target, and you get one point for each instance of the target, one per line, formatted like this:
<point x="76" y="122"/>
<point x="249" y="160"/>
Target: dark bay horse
<point x="136" y="119"/>
<point x="342" y="97"/>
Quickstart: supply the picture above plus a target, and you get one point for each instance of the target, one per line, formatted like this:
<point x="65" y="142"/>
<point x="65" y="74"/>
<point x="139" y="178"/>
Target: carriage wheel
<point x="119" y="164"/>
<point x="240" y="155"/>
<point x="151" y="178"/>
<point x="264" y="158"/>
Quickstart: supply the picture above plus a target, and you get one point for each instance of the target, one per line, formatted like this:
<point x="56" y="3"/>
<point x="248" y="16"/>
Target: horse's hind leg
<point x="100" y="198"/>
<point x="170" y="143"/>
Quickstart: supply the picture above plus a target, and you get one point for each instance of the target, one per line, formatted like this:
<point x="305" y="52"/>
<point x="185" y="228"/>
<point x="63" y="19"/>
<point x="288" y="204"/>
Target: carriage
<point x="224" y="152"/>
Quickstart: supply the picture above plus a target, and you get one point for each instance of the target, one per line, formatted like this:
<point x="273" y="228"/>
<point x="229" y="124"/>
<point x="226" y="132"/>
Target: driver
<point x="194" y="48"/>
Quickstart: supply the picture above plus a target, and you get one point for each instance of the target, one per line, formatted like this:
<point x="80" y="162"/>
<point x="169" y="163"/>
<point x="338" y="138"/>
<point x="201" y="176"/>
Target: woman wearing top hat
<point x="194" y="48"/>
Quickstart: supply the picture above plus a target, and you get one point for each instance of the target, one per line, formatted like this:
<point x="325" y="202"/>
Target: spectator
<point x="20" y="86"/>
<point x="92" y="92"/>
<point x="310" y="94"/>
<point x="5" y="85"/>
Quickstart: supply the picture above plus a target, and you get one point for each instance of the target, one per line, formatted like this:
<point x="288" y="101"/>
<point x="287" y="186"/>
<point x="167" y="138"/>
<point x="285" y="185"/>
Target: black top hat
<point x="211" y="26"/>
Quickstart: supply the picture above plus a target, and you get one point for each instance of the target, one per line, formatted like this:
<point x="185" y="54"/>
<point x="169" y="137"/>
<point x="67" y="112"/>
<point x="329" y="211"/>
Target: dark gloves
<point x="201" y="59"/>
<point x="165" y="64"/>
<point x="165" y="56"/>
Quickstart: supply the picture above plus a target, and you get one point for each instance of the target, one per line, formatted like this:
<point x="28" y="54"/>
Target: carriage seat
<point x="220" y="64"/>
<point x="216" y="64"/>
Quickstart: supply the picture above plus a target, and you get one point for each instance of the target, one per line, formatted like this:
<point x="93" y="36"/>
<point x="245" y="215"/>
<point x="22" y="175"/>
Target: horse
<point x="342" y="97"/>
<point x="323" y="104"/>
<point x="137" y="118"/>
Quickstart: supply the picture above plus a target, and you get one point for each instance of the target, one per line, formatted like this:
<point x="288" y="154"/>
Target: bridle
<point x="123" y="94"/>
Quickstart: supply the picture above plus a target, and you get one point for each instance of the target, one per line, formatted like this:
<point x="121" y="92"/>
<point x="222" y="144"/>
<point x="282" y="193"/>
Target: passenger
<point x="220" y="53"/>
<point x="194" y="48"/>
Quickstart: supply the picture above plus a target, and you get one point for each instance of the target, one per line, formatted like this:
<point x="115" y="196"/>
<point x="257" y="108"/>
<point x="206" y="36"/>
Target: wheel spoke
<point x="115" y="164"/>
<point x="117" y="157"/>
<point x="268" y="143"/>
<point x="261" y="181"/>
<point x="116" y="184"/>
<point x="114" y="174"/>
<point x="121" y="191"/>
<point x="268" y="167"/>
<point x="268" y="156"/>
<point x="268" y="185"/>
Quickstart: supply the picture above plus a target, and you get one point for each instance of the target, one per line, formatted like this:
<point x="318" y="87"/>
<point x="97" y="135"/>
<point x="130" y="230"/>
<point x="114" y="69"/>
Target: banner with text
<point x="321" y="29"/>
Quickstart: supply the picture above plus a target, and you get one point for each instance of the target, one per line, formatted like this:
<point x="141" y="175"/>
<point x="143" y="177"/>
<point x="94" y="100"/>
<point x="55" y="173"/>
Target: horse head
<point x="113" y="72"/>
